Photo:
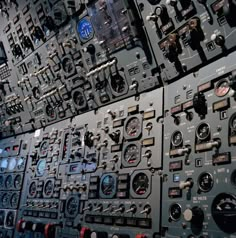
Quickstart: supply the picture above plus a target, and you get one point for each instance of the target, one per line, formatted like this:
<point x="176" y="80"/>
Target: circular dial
<point x="140" y="184"/>
<point x="175" y="211"/>
<point x="14" y="200"/>
<point x="41" y="166"/>
<point x="36" y="93"/>
<point x="85" y="29"/>
<point x="12" y="164"/>
<point x="203" y="131"/>
<point x="68" y="65"/>
<point x="205" y="182"/>
<point x="4" y="164"/>
<point x="133" y="127"/>
<point x="43" y="150"/>
<point x="2" y="217"/>
<point x="78" y="98"/>
<point x="222" y="88"/>
<point x="224" y="212"/>
<point x="108" y="185"/>
<point x="5" y="200"/>
<point x="131" y="154"/>
<point x="232" y="122"/>
<point x="20" y="163"/>
<point x="72" y="206"/>
<point x="32" y="189"/>
<point x="48" y="188"/>
<point x="50" y="112"/>
<point x="177" y="138"/>
<point x="17" y="181"/>
<point x="10" y="219"/>
<point x="8" y="182"/>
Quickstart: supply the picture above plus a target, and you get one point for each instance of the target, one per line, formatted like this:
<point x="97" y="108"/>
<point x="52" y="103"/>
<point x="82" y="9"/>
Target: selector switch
<point x="199" y="104"/>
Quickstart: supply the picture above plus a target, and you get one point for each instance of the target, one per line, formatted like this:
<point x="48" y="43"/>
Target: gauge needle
<point x="130" y="157"/>
<point x="219" y="208"/>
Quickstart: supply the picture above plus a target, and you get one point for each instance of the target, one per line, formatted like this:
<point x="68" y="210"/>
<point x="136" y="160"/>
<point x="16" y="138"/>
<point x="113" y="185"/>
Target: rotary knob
<point x="194" y="215"/>
<point x="199" y="104"/>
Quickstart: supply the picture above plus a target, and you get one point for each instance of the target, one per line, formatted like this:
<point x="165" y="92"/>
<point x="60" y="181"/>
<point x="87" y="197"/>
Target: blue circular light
<point x="85" y="29"/>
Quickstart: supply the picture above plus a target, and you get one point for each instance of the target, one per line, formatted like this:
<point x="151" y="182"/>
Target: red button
<point x="85" y="232"/>
<point x="141" y="236"/>
<point x="19" y="225"/>
<point x="49" y="231"/>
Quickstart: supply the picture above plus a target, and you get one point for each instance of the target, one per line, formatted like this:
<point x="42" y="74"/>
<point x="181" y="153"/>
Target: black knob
<point x="38" y="227"/>
<point x="38" y="33"/>
<point x="161" y="11"/>
<point x="27" y="43"/>
<point x="98" y="234"/>
<point x="27" y="225"/>
<point x="90" y="49"/>
<point x="115" y="136"/>
<point x="88" y="139"/>
<point x="199" y="104"/>
<point x="194" y="215"/>
<point x="220" y="40"/>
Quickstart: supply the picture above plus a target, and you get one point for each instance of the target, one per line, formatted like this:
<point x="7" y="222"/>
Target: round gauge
<point x="232" y="122"/>
<point x="133" y="127"/>
<point x="17" y="181"/>
<point x="140" y="184"/>
<point x="20" y="163"/>
<point x="50" y="112"/>
<point x="203" y="131"/>
<point x="222" y="88"/>
<point x="223" y="210"/>
<point x="68" y="65"/>
<point x="8" y="182"/>
<point x="14" y="200"/>
<point x="41" y="166"/>
<point x="1" y="181"/>
<point x="78" y="99"/>
<point x="132" y="154"/>
<point x="205" y="182"/>
<point x="5" y="200"/>
<point x="48" y="188"/>
<point x="175" y="211"/>
<point x="10" y="217"/>
<point x="177" y="138"/>
<point x="12" y="164"/>
<point x="85" y="29"/>
<point x="36" y="93"/>
<point x="2" y="217"/>
<point x="118" y="84"/>
<point x="72" y="206"/>
<point x="4" y="164"/>
<point x="32" y="189"/>
<point x="43" y="150"/>
<point x="108" y="185"/>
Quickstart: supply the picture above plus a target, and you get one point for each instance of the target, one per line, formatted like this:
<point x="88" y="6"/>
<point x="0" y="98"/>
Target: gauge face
<point x="68" y="65"/>
<point x="140" y="184"/>
<point x="36" y="93"/>
<point x="43" y="150"/>
<point x="78" y="98"/>
<point x="5" y="200"/>
<point x="203" y="131"/>
<point x="222" y="88"/>
<point x="20" y="163"/>
<point x="85" y="30"/>
<point x="131" y="154"/>
<point x="2" y="217"/>
<point x="177" y="138"/>
<point x="133" y="127"/>
<point x="224" y="212"/>
<point x="48" y="188"/>
<point x="232" y="122"/>
<point x="205" y="182"/>
<point x="108" y="185"/>
<point x="10" y="217"/>
<point x="17" y="181"/>
<point x="12" y="164"/>
<point x="72" y="206"/>
<point x="41" y="166"/>
<point x="14" y="200"/>
<point x="32" y="189"/>
<point x="118" y="84"/>
<point x="8" y="182"/>
<point x="50" y="112"/>
<point x="175" y="211"/>
<point x="4" y="164"/>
